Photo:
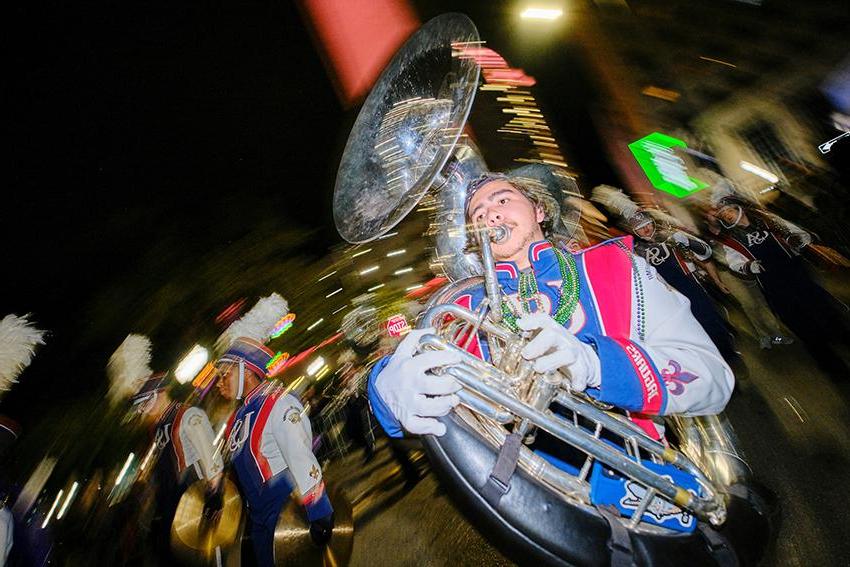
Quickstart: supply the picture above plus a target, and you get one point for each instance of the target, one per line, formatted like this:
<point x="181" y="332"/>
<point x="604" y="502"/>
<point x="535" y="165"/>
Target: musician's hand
<point x="556" y="348"/>
<point x="213" y="503"/>
<point x="756" y="267"/>
<point x="321" y="529"/>
<point x="414" y="395"/>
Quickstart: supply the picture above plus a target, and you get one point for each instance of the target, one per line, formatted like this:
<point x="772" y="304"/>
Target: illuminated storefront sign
<point x="397" y="325"/>
<point x="665" y="170"/>
<point x="283" y="325"/>
<point x="277" y="363"/>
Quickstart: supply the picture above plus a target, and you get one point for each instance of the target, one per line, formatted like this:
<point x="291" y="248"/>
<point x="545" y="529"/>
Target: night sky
<point x="143" y="137"/>
<point x="153" y="144"/>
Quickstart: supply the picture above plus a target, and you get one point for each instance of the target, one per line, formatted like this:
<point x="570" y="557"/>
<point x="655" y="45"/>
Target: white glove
<point x="756" y="267"/>
<point x="414" y="396"/>
<point x="680" y="238"/>
<point x="554" y="347"/>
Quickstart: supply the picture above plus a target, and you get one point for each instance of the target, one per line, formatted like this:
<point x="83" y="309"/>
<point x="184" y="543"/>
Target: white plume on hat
<point x="18" y="339"/>
<point x="615" y="200"/>
<point x="256" y="324"/>
<point x="129" y="367"/>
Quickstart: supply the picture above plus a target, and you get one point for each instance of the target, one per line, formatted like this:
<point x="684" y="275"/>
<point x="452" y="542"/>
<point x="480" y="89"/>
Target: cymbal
<point x="196" y="540"/>
<point x="294" y="546"/>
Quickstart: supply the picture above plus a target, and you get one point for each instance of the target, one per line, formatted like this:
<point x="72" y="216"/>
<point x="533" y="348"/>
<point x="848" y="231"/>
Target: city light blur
<point x="175" y="166"/>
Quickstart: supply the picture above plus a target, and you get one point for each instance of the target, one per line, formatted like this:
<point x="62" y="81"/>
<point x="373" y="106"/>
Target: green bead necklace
<point x="528" y="291"/>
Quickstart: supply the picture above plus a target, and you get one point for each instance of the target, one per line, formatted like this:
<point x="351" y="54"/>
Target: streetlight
<point x="541" y="14"/>
<point x="315" y="366"/>
<point x="191" y="364"/>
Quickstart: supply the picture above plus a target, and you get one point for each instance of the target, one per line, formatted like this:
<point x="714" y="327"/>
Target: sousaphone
<point x="409" y="139"/>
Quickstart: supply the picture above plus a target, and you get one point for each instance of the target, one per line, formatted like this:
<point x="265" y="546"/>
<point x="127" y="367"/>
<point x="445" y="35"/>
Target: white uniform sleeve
<point x="291" y="430"/>
<point x="699" y="247"/>
<point x="668" y="365"/>
<point x="798" y="238"/>
<point x="198" y="438"/>
<point x="696" y="379"/>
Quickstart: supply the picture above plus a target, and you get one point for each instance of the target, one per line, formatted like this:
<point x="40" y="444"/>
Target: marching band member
<point x="269" y="436"/>
<point x="764" y="247"/>
<point x="182" y="447"/>
<point x="621" y="333"/>
<point x="624" y="335"/>
<point x="18" y="339"/>
<point x="677" y="257"/>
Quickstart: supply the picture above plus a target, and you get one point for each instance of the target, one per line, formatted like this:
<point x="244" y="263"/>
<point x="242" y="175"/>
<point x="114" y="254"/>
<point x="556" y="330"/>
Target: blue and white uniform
<point x="183" y="442"/>
<point x="655" y="358"/>
<point x="270" y="441"/>
<point x="184" y="438"/>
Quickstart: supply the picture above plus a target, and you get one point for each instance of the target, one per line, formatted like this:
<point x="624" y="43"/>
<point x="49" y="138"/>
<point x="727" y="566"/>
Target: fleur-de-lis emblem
<point x="315" y="472"/>
<point x="239" y="433"/>
<point x="675" y="378"/>
<point x="163" y="436"/>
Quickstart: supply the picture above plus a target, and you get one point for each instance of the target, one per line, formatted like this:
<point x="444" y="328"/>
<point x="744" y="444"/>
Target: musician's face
<point x="228" y="380"/>
<point x="153" y="408"/>
<point x="729" y="215"/>
<point x="646" y="231"/>
<point x="500" y="203"/>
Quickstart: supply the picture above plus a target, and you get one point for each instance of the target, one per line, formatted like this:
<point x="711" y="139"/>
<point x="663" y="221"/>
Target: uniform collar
<point x="541" y="256"/>
<point x="255" y="391"/>
<point x="167" y="415"/>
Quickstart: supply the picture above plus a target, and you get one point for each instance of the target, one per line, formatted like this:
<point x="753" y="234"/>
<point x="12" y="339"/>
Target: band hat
<point x="153" y="384"/>
<point x="621" y="204"/>
<point x="480" y="182"/>
<point x="254" y="354"/>
<point x="724" y="193"/>
<point x="245" y="338"/>
<point x="18" y="340"/>
<point x="639" y="220"/>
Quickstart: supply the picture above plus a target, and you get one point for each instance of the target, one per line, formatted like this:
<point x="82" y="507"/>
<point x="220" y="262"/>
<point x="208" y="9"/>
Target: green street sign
<point x="665" y="170"/>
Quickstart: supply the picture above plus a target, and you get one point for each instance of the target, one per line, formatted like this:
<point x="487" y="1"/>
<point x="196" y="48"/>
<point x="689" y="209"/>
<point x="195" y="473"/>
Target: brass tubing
<point x="711" y="508"/>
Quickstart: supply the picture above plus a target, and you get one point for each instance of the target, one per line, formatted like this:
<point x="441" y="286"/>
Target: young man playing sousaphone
<point x="602" y="316"/>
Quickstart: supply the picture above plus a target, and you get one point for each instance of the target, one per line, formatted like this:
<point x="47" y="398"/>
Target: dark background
<point x="146" y="139"/>
<point x="162" y="154"/>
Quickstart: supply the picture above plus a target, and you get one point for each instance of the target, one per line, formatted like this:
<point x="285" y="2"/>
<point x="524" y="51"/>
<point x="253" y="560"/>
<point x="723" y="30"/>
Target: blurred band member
<point x="269" y="436"/>
<point x="678" y="257"/>
<point x="18" y="341"/>
<point x="768" y="249"/>
<point x="181" y="449"/>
